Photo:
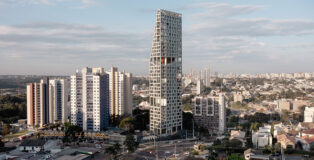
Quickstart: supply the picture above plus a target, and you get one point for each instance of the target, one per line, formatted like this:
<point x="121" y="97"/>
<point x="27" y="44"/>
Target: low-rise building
<point x="286" y="140"/>
<point x="239" y="135"/>
<point x="251" y="154"/>
<point x="32" y="145"/>
<point x="262" y="137"/>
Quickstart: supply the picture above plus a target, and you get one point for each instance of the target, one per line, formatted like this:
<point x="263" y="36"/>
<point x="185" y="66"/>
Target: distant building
<point x="120" y="87"/>
<point x="37" y="103"/>
<point x="237" y="97"/>
<point x="199" y="87"/>
<point x="209" y="112"/>
<point x="309" y="114"/>
<point x="90" y="99"/>
<point x="59" y="109"/>
<point x="262" y="137"/>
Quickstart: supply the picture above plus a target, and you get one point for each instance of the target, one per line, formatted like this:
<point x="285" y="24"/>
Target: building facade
<point x="165" y="73"/>
<point x="209" y="112"/>
<point x="37" y="103"/>
<point x="309" y="114"/>
<point x="120" y="86"/>
<point x="90" y="99"/>
<point x="59" y="109"/>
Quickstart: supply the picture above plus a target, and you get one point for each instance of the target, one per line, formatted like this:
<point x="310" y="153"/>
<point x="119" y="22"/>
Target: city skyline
<point x="227" y="36"/>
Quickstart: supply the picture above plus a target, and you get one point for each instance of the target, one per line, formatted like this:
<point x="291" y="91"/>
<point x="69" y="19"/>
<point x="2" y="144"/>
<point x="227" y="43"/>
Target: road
<point x="164" y="149"/>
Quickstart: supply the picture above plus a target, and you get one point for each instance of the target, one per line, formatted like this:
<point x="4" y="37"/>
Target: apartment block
<point x="209" y="112"/>
<point x="90" y="99"/>
<point x="120" y="87"/>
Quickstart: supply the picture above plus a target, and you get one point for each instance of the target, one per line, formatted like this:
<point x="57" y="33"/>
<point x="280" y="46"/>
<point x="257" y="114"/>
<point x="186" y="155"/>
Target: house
<point x="251" y="154"/>
<point x="262" y="137"/>
<point x="286" y="140"/>
<point x="309" y="132"/>
<point x="239" y="135"/>
<point x="305" y="126"/>
<point x="32" y="145"/>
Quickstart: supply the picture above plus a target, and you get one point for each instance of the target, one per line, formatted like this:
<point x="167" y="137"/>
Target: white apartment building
<point x="37" y="103"/>
<point x="165" y="73"/>
<point x="120" y="86"/>
<point x="199" y="87"/>
<point x="90" y="99"/>
<point x="262" y="137"/>
<point x="59" y="109"/>
<point x="309" y="114"/>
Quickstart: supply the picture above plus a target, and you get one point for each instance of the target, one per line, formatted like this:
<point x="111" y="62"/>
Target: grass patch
<point x="15" y="135"/>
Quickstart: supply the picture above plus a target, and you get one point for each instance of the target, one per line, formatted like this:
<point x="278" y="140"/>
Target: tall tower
<point x="165" y="73"/>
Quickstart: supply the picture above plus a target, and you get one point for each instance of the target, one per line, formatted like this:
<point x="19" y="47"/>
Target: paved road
<point x="163" y="150"/>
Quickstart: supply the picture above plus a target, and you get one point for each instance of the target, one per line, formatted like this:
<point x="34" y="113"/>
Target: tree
<point x="127" y="123"/>
<point x="113" y="150"/>
<point x="130" y="143"/>
<point x="235" y="143"/>
<point x="6" y="129"/>
<point x="72" y="132"/>
<point x="1" y="145"/>
<point x="234" y="156"/>
<point x="202" y="147"/>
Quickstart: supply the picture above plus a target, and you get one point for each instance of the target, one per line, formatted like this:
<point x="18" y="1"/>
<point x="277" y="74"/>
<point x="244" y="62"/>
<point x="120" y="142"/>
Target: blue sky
<point x="240" y="36"/>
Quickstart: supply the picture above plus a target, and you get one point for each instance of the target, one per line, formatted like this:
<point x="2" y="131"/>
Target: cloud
<point x="214" y="10"/>
<point x="212" y="34"/>
<point x="78" y="4"/>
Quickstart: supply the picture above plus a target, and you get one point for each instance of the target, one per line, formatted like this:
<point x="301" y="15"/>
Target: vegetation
<point x="130" y="143"/>
<point x="187" y="103"/>
<point x="6" y="129"/>
<point x="113" y="150"/>
<point x="12" y="108"/>
<point x="235" y="157"/>
<point x="187" y="120"/>
<point x="138" y="121"/>
<point x="139" y="99"/>
<point x="239" y="106"/>
<point x="72" y="133"/>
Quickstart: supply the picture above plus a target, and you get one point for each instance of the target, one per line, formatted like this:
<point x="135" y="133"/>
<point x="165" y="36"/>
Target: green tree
<point x="113" y="150"/>
<point x="235" y="143"/>
<point x="202" y="148"/>
<point x="234" y="156"/>
<point x="72" y="132"/>
<point x="130" y="143"/>
<point x="6" y="129"/>
<point x="127" y="123"/>
<point x="1" y="145"/>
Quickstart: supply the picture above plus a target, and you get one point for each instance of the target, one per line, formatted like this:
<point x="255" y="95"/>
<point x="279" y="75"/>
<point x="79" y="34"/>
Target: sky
<point x="57" y="37"/>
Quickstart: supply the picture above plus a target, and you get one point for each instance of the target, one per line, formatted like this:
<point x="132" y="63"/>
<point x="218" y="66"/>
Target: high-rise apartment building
<point x="209" y="112"/>
<point x="120" y="86"/>
<point x="59" y="109"/>
<point x="165" y="74"/>
<point x="37" y="103"/>
<point x="90" y="99"/>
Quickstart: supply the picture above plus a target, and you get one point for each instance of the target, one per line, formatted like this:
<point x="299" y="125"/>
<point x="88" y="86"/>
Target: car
<point x="149" y="151"/>
<point x="168" y="152"/>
